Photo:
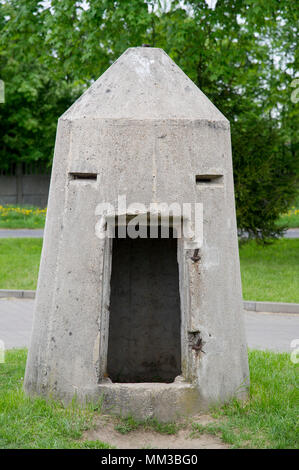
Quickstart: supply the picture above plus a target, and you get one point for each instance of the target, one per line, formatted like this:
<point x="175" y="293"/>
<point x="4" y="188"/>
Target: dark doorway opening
<point x="144" y="331"/>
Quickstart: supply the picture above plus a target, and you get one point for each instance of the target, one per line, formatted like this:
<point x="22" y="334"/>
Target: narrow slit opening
<point x="208" y="179"/>
<point x="83" y="176"/>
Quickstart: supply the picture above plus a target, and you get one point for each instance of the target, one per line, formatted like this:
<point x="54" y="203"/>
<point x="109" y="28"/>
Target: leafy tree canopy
<point x="242" y="53"/>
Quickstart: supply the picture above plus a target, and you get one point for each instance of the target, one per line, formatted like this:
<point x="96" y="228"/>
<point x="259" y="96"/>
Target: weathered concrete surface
<point x="165" y="402"/>
<point x="146" y="131"/>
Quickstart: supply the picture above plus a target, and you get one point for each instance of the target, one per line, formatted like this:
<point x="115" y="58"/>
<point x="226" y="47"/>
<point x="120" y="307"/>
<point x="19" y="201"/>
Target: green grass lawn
<point x="19" y="262"/>
<point x="269" y="273"/>
<point x="268" y="419"/>
<point x="22" y="217"/>
<point x="35" y="423"/>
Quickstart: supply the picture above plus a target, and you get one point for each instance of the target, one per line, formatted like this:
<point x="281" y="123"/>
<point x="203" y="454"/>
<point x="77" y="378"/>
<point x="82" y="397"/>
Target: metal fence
<point x="25" y="183"/>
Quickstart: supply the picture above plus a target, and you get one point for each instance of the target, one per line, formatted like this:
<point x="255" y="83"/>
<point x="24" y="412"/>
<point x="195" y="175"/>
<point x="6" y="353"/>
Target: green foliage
<point x="242" y="54"/>
<point x="33" y="97"/>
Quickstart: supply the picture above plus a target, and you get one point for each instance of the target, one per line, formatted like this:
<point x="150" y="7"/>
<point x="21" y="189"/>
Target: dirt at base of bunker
<point x="143" y="438"/>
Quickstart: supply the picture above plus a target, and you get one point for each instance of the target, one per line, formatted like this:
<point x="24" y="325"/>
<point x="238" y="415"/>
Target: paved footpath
<point x="38" y="233"/>
<point x="264" y="330"/>
<point x="292" y="233"/>
<point x="15" y="322"/>
<point x="21" y="233"/>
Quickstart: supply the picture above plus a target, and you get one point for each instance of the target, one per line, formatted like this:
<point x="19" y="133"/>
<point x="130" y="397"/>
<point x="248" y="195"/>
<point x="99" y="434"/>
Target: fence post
<point x="19" y="176"/>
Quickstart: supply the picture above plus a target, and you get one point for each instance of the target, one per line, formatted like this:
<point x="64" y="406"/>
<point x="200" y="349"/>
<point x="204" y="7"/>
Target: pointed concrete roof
<point x="144" y="83"/>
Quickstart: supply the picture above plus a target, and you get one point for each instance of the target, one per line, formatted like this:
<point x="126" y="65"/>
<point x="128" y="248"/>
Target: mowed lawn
<point x="269" y="273"/>
<point x="267" y="419"/>
<point x="19" y="262"/>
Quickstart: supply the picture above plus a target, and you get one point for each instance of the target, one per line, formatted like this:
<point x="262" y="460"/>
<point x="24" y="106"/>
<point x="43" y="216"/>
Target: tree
<point x="33" y="98"/>
<point x="242" y="54"/>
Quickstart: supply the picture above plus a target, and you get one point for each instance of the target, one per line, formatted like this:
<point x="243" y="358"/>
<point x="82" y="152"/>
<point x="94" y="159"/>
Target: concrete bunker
<point x="144" y="342"/>
<point x="160" y="333"/>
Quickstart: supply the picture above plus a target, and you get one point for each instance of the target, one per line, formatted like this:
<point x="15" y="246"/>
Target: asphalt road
<point x="38" y="233"/>
<point x="264" y="330"/>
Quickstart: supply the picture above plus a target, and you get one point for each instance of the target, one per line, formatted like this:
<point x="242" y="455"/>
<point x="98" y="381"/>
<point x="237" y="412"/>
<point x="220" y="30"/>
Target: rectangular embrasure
<point x="208" y="178"/>
<point x="83" y="176"/>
